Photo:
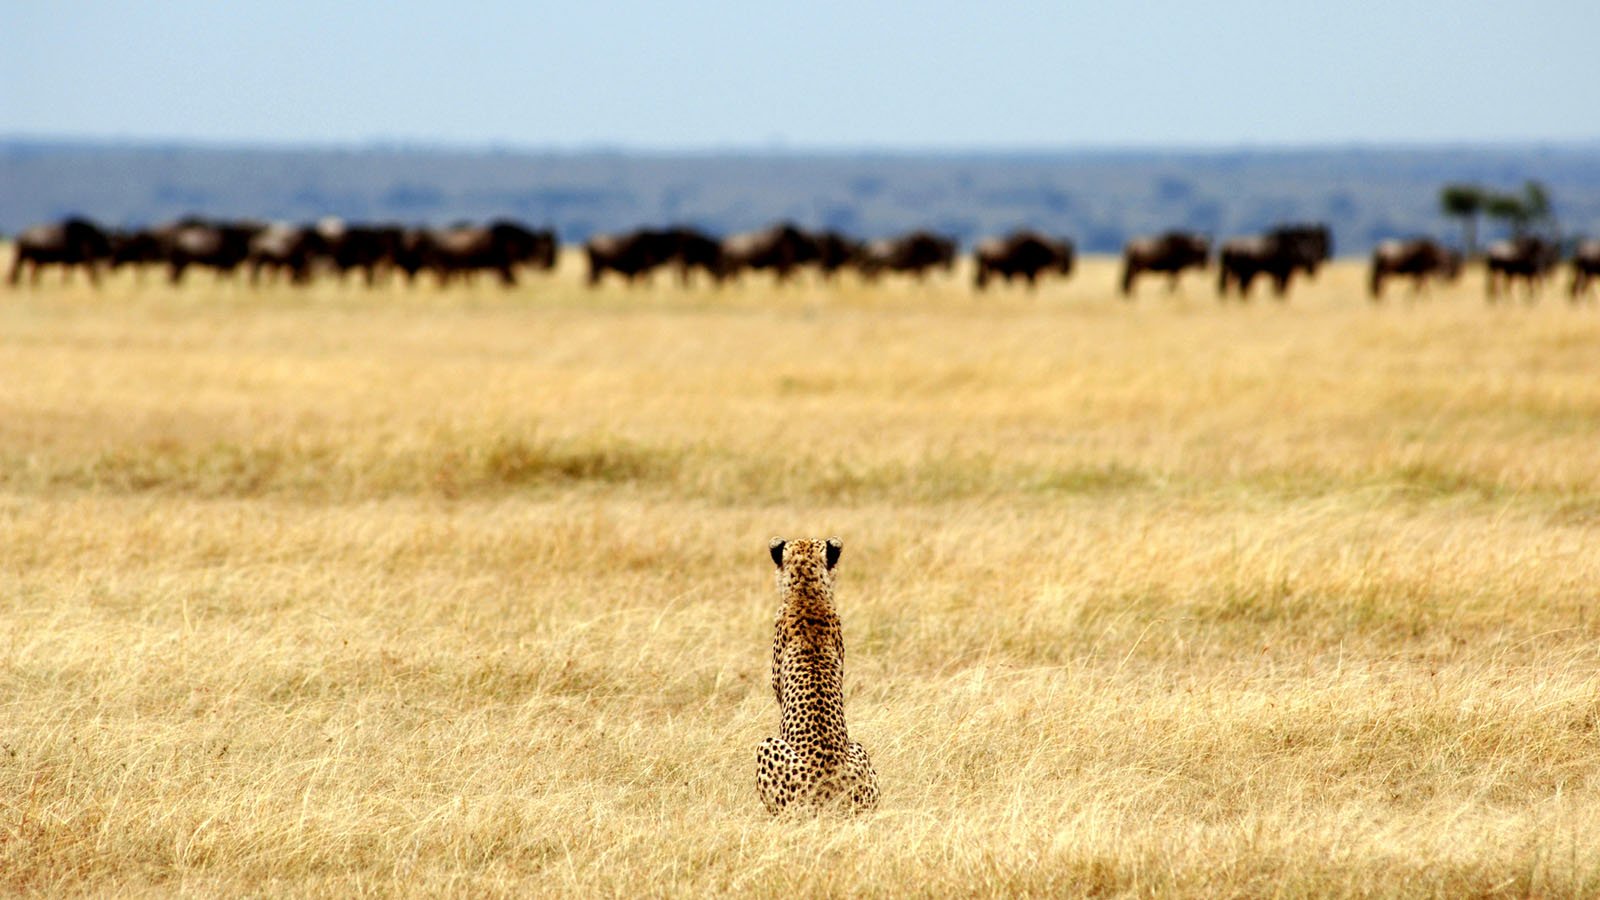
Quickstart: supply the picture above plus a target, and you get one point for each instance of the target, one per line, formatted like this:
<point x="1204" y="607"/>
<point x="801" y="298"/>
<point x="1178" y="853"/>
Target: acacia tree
<point x="1520" y="211"/>
<point x="1536" y="206"/>
<point x="1510" y="209"/>
<point x="1464" y="202"/>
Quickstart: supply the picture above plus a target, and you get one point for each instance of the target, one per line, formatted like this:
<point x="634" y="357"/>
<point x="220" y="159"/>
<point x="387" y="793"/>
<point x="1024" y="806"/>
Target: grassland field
<point x="338" y="592"/>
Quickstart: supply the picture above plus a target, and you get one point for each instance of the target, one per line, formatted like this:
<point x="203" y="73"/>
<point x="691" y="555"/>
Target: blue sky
<point x="838" y="75"/>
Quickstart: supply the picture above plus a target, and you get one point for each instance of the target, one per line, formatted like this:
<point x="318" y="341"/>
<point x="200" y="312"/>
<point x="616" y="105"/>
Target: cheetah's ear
<point x="835" y="547"/>
<point x="777" y="551"/>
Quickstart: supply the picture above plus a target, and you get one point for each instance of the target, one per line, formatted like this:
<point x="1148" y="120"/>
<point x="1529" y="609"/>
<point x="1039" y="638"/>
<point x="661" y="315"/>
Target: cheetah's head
<point x="807" y="559"/>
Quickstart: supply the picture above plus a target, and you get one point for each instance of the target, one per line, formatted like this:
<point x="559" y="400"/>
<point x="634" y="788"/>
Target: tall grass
<point x="466" y="593"/>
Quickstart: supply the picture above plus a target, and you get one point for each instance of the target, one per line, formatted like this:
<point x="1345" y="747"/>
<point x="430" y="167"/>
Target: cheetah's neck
<point x="808" y="677"/>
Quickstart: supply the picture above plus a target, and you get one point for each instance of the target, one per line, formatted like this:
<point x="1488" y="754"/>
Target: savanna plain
<point x="466" y="592"/>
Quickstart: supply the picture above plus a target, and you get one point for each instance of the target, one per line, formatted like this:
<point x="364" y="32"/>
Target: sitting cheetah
<point x="812" y="763"/>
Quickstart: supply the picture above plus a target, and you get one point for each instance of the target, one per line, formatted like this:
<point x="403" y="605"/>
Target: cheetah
<point x="812" y="763"/>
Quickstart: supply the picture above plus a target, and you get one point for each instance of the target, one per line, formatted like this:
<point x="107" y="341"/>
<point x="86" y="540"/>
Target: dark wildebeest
<point x="218" y="245"/>
<point x="917" y="253"/>
<point x="1585" y="267"/>
<point x="1529" y="257"/>
<point x="138" y="248"/>
<point x="835" y="250"/>
<point x="499" y="247"/>
<point x="414" y="251"/>
<point x="692" y="249"/>
<point x="1420" y="258"/>
<point x="1278" y="253"/>
<point x="1025" y="254"/>
<point x="1171" y="252"/>
<point x="289" y="250"/>
<point x="640" y="252"/>
<point x="73" y="242"/>
<point x="1314" y="237"/>
<point x="524" y="246"/>
<point x="782" y="248"/>
<point x="632" y="254"/>
<point x="366" y="247"/>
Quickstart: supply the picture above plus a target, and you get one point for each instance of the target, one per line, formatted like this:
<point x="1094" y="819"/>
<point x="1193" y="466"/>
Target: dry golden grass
<point x="466" y="593"/>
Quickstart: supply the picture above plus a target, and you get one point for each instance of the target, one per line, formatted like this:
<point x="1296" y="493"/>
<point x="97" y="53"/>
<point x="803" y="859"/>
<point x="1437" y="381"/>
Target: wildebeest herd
<point x="296" y="254"/>
<point x="292" y="253"/>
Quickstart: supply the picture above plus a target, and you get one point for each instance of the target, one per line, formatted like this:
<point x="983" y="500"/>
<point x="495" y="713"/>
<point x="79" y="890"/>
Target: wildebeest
<point x="1316" y="238"/>
<point x="782" y="249"/>
<point x="835" y="251"/>
<point x="138" y="248"/>
<point x="286" y="249"/>
<point x="525" y="246"/>
<point x="1420" y="258"/>
<point x="1529" y="257"/>
<point x="636" y="253"/>
<point x="1171" y="252"/>
<point x="72" y="242"/>
<point x="466" y="249"/>
<point x="1026" y="254"/>
<point x="916" y="252"/>
<point x="218" y="245"/>
<point x="1585" y="267"/>
<point x="1278" y="253"/>
<point x="693" y="249"/>
<point x="369" y="248"/>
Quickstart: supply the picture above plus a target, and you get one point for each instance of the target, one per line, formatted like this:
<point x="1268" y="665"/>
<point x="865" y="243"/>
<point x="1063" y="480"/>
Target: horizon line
<point x="784" y="148"/>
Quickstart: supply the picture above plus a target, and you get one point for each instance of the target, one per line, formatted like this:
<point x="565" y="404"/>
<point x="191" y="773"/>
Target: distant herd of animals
<point x="295" y="254"/>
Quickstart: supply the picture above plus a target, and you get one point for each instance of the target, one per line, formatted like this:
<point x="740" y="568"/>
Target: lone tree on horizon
<point x="1536" y="203"/>
<point x="1465" y="202"/>
<point x="1520" y="211"/>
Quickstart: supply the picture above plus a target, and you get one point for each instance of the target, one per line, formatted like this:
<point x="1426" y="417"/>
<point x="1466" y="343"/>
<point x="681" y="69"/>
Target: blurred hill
<point x="1099" y="198"/>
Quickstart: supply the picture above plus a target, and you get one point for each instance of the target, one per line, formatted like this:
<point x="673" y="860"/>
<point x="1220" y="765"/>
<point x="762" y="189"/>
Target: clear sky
<point x="837" y="74"/>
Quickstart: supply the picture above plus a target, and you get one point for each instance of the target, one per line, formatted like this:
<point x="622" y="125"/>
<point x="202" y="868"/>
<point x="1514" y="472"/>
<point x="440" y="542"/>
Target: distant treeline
<point x="1102" y="198"/>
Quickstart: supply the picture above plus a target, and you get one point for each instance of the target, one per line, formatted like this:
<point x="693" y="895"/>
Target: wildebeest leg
<point x="16" y="269"/>
<point x="1172" y="282"/>
<point x="94" y="273"/>
<point x="1128" y="273"/>
<point x="508" y="278"/>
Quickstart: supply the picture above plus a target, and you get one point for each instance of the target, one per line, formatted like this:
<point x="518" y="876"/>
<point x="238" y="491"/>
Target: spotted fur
<point x="812" y="763"/>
